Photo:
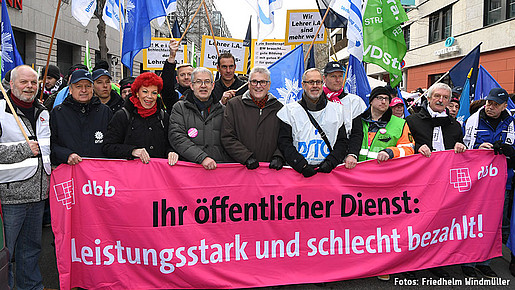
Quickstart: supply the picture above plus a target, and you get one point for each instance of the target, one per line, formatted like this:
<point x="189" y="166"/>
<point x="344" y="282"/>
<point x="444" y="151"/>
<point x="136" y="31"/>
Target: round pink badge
<point x="192" y="132"/>
<point x="382" y="131"/>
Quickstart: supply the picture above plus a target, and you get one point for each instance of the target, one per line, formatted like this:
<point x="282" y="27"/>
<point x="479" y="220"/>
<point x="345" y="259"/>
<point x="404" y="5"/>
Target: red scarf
<point x="144" y="113"/>
<point x="20" y="103"/>
<point x="333" y="96"/>
<point x="260" y="103"/>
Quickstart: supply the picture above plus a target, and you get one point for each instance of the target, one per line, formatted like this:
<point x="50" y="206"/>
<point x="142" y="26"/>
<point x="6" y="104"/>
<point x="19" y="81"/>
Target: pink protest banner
<point x="129" y="225"/>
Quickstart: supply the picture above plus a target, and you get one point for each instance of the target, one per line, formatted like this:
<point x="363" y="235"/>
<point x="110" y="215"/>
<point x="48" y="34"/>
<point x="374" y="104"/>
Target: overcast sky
<point x="236" y="14"/>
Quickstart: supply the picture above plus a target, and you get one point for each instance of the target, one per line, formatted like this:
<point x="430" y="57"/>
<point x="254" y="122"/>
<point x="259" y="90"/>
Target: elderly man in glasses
<point x="196" y="123"/>
<point x="250" y="124"/>
<point x="312" y="136"/>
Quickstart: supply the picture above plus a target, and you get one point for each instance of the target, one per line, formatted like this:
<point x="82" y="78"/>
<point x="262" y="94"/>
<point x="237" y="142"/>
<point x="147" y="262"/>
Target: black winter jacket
<point x="421" y="126"/>
<point x="78" y="128"/>
<point x="116" y="102"/>
<point x="126" y="134"/>
<point x="220" y="88"/>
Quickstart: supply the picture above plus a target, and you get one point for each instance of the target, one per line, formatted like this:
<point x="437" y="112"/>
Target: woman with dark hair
<point x="140" y="128"/>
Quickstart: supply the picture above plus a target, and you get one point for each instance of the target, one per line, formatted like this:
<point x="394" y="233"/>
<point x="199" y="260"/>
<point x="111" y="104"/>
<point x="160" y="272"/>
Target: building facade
<point x="32" y="22"/>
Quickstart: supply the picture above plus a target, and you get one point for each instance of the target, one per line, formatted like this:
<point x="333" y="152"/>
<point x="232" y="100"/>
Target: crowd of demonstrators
<point x="313" y="118"/>
<point x="79" y="124"/>
<point x="251" y="126"/>
<point x="196" y="123"/>
<point x="206" y="122"/>
<point x="54" y="82"/>
<point x="175" y="81"/>
<point x="24" y="183"/>
<point x="140" y="128"/>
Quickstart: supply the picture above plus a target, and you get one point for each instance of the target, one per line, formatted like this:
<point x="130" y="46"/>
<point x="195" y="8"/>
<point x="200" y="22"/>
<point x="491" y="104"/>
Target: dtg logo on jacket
<point x="99" y="137"/>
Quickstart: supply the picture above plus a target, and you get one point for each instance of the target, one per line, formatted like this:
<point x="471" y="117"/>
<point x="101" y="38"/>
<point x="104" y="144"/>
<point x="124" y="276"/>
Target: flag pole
<point x="331" y="43"/>
<point x="316" y="34"/>
<point x="346" y="73"/>
<point x="169" y="28"/>
<point x="14" y="111"/>
<point x="189" y="24"/>
<point x="50" y="50"/>
<point x="121" y="35"/>
<point x="211" y="27"/>
<point x="425" y="93"/>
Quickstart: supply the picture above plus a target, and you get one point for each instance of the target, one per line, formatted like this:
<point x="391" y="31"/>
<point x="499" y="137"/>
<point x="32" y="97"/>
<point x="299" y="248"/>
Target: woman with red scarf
<point x="140" y="128"/>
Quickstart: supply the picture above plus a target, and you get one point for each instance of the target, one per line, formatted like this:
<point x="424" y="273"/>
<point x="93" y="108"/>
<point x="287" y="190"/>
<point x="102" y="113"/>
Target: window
<point x="440" y="24"/>
<point x="498" y="10"/>
<point x="406" y="31"/>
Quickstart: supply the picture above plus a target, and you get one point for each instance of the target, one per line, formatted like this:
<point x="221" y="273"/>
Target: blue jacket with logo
<point x="484" y="132"/>
<point x="78" y="128"/>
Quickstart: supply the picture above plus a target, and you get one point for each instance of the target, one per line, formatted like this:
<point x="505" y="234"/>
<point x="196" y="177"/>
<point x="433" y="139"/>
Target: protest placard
<point x="268" y="51"/>
<point x="209" y="58"/>
<point x="155" y="56"/>
<point x="301" y="26"/>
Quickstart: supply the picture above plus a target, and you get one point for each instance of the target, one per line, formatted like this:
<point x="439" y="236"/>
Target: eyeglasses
<point x="312" y="83"/>
<point x="261" y="82"/>
<point x="438" y="96"/>
<point x="202" y="82"/>
<point x="386" y="99"/>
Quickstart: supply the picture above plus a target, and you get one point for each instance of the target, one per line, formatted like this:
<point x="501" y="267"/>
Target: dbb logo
<point x="92" y="188"/>
<point x="485" y="170"/>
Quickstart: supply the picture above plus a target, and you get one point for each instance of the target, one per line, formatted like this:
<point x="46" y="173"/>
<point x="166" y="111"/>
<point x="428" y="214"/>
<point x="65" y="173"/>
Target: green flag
<point x="87" y="57"/>
<point x="193" y="56"/>
<point x="383" y="38"/>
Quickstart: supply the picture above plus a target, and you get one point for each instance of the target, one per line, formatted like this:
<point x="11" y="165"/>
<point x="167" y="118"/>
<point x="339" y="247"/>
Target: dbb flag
<point x="287" y="71"/>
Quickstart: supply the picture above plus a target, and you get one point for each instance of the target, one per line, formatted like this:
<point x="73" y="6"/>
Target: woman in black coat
<point x="140" y="128"/>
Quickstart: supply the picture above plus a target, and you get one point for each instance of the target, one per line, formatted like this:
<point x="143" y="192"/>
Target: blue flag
<point x="287" y="76"/>
<point x="10" y="56"/>
<point x="399" y="94"/>
<point x="176" y="30"/>
<point x="333" y="19"/>
<point x="464" y="112"/>
<point x="485" y="82"/>
<point x="459" y="71"/>
<point x="356" y="80"/>
<point x="137" y="33"/>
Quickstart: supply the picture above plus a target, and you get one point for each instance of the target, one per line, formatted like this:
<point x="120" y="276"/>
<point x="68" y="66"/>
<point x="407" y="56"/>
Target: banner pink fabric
<point x="129" y="225"/>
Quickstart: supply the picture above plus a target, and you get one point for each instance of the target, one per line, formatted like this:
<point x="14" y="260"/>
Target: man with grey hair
<point x="24" y="176"/>
<point x="434" y="130"/>
<point x="312" y="135"/>
<point x="196" y="123"/>
<point x="250" y="124"/>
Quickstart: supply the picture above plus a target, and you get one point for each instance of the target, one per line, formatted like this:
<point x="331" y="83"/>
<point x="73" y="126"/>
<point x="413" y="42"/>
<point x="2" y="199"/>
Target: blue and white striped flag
<point x="111" y="15"/>
<point x="265" y="15"/>
<point x="83" y="10"/>
<point x="351" y="9"/>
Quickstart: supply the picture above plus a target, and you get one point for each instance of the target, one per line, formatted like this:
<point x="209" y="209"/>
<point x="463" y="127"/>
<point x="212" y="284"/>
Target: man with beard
<point x="312" y="119"/>
<point x="24" y="176"/>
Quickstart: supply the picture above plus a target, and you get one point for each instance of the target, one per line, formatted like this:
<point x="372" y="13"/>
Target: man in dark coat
<point x="175" y="83"/>
<point x="196" y="123"/>
<point x="251" y="127"/>
<point x="78" y="124"/>
<point x="227" y="86"/>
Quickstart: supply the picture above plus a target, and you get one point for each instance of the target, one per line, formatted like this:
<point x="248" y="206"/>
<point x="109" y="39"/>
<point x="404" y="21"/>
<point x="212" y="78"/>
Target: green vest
<point x="381" y="141"/>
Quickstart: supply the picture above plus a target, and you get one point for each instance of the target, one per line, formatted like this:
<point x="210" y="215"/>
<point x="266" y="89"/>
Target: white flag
<point x="83" y="10"/>
<point x="111" y="15"/>
<point x="265" y="15"/>
<point x="352" y="10"/>
<point x="170" y="6"/>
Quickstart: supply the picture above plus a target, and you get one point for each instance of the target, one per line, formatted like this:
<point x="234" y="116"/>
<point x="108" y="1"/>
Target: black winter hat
<point x="126" y="82"/>
<point x="379" y="91"/>
<point x="53" y="71"/>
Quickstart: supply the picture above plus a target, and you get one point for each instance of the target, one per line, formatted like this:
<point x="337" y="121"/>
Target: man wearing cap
<point x="78" y="124"/>
<point x="53" y="83"/>
<point x="55" y="100"/>
<point x="454" y="106"/>
<point x="125" y="87"/>
<point x="397" y="106"/>
<point x="492" y="127"/>
<point x="24" y="176"/>
<point x="250" y="124"/>
<point x="103" y="90"/>
<point x="312" y="120"/>
<point x="175" y="82"/>
<point x="434" y="130"/>
<point x="353" y="105"/>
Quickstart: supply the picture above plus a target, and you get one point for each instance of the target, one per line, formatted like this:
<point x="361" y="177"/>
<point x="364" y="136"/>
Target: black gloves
<point x="325" y="167"/>
<point x="308" y="171"/>
<point x="276" y="163"/>
<point x="501" y="148"/>
<point x="252" y="163"/>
